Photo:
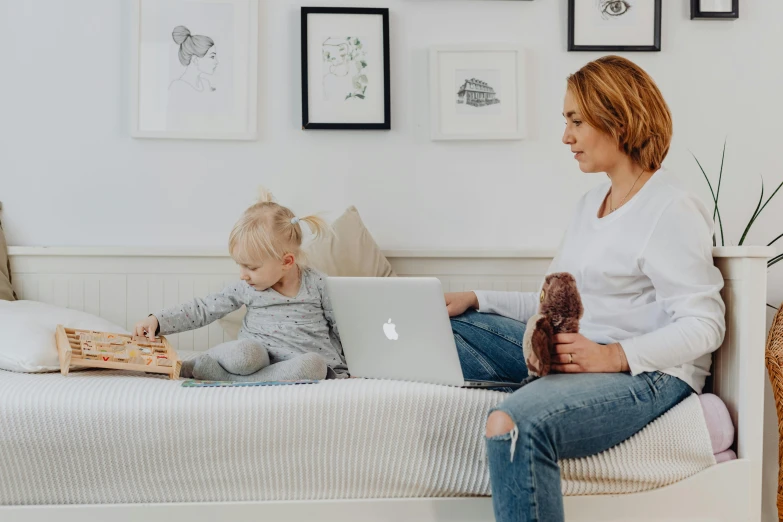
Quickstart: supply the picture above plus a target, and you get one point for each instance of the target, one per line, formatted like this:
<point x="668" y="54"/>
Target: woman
<point x="641" y="253"/>
<point x="343" y="69"/>
<point x="199" y="56"/>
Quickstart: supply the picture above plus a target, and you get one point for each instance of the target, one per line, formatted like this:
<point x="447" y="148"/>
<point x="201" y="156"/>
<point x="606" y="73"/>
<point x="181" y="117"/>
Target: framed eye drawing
<point x="714" y="9"/>
<point x="345" y="68"/>
<point x="614" y="25"/>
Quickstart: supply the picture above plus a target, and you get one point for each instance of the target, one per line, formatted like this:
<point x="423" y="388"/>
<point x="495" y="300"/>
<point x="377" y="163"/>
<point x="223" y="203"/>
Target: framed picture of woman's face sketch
<point x="477" y="92"/>
<point x="614" y="25"/>
<point x="194" y="69"/>
<point x="345" y="68"/>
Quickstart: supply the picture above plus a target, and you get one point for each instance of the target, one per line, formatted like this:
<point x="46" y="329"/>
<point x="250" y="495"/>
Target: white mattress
<point x="115" y="437"/>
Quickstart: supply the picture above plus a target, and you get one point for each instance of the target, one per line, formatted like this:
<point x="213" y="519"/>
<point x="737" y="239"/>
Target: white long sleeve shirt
<point x="647" y="280"/>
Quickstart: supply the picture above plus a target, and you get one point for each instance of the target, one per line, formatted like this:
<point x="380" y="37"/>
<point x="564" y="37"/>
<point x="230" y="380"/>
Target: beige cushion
<point x="350" y="252"/>
<point x="6" y="291"/>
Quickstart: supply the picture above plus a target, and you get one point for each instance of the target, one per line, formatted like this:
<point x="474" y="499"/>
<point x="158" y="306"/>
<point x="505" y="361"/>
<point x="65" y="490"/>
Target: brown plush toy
<point x="559" y="311"/>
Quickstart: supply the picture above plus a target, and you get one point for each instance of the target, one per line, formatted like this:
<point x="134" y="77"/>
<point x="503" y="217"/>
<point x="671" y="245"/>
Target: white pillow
<point x="27" y="331"/>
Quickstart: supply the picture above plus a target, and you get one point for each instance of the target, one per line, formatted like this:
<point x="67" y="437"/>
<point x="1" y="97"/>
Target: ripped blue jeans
<point x="556" y="417"/>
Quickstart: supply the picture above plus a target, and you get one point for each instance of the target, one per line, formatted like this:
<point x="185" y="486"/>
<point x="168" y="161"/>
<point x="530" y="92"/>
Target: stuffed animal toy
<point x="559" y="311"/>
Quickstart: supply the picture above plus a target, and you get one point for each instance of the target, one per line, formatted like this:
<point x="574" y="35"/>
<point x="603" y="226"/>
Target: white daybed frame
<point x="123" y="284"/>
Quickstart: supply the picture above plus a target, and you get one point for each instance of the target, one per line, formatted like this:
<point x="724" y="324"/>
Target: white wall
<point x="71" y="175"/>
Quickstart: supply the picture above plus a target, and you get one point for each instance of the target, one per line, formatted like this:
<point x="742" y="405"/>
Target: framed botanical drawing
<point x="477" y="92"/>
<point x="194" y="69"/>
<point x="614" y="25"/>
<point x="345" y="68"/>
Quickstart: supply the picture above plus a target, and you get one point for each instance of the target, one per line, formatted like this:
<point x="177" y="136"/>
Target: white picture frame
<point x="477" y="92"/>
<point x="175" y="93"/>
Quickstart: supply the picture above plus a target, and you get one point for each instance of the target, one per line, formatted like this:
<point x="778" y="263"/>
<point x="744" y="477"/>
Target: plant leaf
<point x="759" y="210"/>
<point x="720" y="177"/>
<point x="774" y="260"/>
<point x="768" y="200"/>
<point x="714" y="199"/>
<point x="770" y="243"/>
<point x="755" y="213"/>
<point x="720" y="224"/>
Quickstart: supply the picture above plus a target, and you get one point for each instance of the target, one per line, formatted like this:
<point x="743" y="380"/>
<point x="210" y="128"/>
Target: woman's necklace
<point x="612" y="208"/>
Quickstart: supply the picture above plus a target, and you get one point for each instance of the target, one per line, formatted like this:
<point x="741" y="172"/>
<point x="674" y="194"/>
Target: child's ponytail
<point x="268" y="229"/>
<point x="317" y="226"/>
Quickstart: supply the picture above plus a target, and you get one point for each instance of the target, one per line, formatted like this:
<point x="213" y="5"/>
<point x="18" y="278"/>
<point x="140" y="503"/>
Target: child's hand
<point x="147" y="327"/>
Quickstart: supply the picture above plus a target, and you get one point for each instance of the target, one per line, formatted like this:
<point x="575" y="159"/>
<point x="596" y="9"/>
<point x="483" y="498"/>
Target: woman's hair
<point x="618" y="97"/>
<point x="190" y="45"/>
<point x="268" y="230"/>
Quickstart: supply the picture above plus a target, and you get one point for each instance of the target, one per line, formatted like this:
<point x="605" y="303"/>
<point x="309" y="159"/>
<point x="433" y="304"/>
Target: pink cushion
<point x="725" y="456"/>
<point x="718" y="422"/>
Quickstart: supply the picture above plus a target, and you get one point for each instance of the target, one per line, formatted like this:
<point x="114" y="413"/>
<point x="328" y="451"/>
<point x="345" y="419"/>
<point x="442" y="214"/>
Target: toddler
<point x="289" y="332"/>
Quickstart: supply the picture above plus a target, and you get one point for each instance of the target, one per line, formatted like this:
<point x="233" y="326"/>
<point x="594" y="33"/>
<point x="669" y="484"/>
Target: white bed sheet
<point x="117" y="437"/>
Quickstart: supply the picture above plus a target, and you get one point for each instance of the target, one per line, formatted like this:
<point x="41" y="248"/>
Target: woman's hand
<point x="574" y="353"/>
<point x="147" y="327"/>
<point x="458" y="302"/>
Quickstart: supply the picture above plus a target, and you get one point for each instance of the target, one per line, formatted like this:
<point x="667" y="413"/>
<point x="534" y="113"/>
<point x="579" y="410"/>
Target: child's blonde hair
<point x="268" y="230"/>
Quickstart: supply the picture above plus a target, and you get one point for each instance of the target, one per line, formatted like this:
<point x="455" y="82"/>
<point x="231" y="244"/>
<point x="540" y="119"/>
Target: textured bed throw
<point x="114" y="437"/>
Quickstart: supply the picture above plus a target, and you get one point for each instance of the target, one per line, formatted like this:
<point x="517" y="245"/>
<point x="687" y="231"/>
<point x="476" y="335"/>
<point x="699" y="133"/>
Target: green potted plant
<point x="756" y="213"/>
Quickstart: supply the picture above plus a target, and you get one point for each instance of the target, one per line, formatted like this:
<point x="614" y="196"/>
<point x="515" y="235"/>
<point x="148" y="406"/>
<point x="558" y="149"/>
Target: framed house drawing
<point x="477" y="92"/>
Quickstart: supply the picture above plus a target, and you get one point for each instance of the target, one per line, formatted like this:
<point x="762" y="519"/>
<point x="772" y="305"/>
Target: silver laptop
<point x="398" y="328"/>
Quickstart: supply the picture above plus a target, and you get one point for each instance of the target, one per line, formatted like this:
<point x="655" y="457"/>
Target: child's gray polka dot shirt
<point x="286" y="326"/>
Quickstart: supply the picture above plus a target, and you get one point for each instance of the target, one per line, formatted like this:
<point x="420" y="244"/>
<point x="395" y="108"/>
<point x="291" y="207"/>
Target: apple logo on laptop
<point x="389" y="330"/>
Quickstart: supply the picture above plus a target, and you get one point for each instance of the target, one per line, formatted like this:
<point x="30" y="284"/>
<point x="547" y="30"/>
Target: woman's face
<point x="339" y="57"/>
<point x="595" y="151"/>
<point x="209" y="62"/>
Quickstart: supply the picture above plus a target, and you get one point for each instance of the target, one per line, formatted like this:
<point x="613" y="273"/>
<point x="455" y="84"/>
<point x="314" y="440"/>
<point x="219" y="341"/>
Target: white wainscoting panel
<point x="124" y="285"/>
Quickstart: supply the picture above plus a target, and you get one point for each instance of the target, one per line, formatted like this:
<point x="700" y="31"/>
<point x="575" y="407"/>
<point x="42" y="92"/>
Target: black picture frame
<point x="655" y="47"/>
<point x="698" y="14"/>
<point x="386" y="124"/>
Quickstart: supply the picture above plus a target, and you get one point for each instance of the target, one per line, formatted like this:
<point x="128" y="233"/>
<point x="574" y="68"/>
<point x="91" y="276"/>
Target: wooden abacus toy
<point x="86" y="348"/>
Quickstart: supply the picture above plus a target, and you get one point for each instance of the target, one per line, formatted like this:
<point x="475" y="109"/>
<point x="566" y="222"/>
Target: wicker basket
<point x="774" y="362"/>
